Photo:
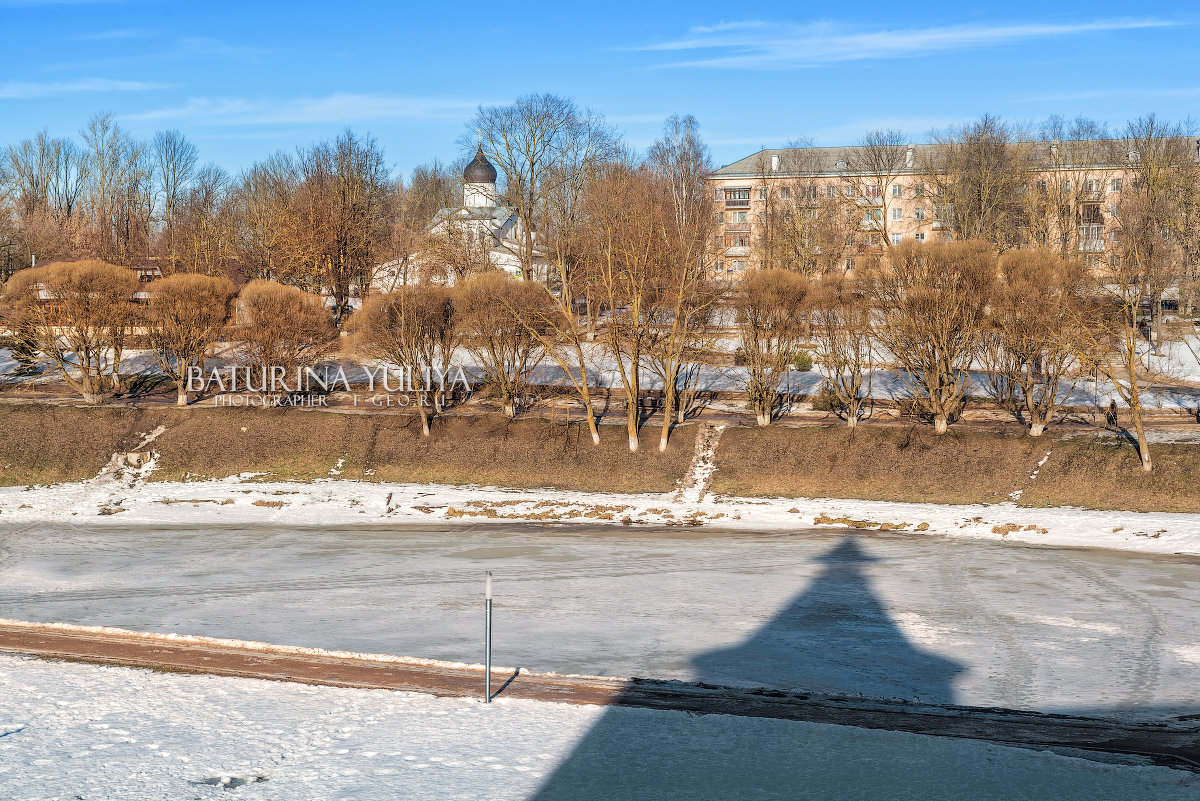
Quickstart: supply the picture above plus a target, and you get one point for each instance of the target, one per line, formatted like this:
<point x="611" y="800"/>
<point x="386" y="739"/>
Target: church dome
<point x="480" y="170"/>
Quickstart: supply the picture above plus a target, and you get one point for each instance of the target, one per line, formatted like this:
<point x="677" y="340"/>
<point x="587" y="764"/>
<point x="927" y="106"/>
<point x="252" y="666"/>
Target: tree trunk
<point x="1037" y="427"/>
<point x="181" y="396"/>
<point x="510" y="406"/>
<point x="851" y="418"/>
<point x="941" y="424"/>
<point x="668" y="413"/>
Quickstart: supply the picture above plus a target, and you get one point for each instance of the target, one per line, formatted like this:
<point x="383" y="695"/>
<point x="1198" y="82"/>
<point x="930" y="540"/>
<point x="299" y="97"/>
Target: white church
<point x="493" y="227"/>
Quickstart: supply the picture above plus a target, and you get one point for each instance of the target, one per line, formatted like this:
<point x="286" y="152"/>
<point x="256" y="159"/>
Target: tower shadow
<point x="835" y="637"/>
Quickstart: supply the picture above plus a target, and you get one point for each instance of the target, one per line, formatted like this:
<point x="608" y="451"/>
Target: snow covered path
<point x="877" y="614"/>
<point x="78" y="731"/>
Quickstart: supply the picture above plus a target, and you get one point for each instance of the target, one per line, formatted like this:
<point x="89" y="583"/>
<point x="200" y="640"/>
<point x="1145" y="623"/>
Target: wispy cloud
<point x="762" y="45"/>
<point x="23" y="90"/>
<point x="337" y="107"/>
<point x="114" y="35"/>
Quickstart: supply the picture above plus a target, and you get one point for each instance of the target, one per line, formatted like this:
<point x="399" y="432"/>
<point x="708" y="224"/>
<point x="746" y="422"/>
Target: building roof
<point x="814" y="161"/>
<point x="480" y="170"/>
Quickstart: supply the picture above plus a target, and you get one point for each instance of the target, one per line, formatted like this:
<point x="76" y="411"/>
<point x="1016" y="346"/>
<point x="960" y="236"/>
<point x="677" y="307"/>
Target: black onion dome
<point x="480" y="170"/>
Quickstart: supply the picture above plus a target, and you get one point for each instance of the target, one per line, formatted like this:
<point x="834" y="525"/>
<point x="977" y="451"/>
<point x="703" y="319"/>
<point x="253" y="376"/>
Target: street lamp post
<point x="487" y="641"/>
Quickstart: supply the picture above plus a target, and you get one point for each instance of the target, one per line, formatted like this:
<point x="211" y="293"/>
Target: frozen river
<point x="939" y="619"/>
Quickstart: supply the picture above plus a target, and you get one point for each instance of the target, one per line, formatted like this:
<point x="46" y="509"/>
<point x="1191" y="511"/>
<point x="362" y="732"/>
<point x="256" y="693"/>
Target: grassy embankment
<point x="45" y="444"/>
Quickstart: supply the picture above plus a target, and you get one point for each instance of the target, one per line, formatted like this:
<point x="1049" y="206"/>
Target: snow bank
<point x="70" y="730"/>
<point x="122" y="498"/>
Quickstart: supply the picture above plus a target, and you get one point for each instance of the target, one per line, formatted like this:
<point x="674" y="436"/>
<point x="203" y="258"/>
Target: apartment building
<point x="852" y="203"/>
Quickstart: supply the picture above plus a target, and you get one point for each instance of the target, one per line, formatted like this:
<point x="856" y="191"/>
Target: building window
<point x="738" y="241"/>
<point x="737" y="265"/>
<point x="739" y="216"/>
<point x="919" y="214"/>
<point x="785" y="194"/>
<point x="872" y="215"/>
<point x="897" y="190"/>
<point x="1091" y="185"/>
<point x="830" y="192"/>
<point x="919" y="237"/>
<point x="849" y="265"/>
<point x="897" y="214"/>
<point x="1115" y="259"/>
<point x="762" y="193"/>
<point x="896" y="239"/>
<point x="718" y="196"/>
<point x="718" y="217"/>
<point x="873" y="190"/>
<point x="737" y="194"/>
<point x="919" y="190"/>
<point x="1115" y="185"/>
<point x="849" y="190"/>
<point x="1041" y="187"/>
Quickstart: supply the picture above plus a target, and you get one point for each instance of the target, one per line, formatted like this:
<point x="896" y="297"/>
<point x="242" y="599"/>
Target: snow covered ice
<point x="880" y="615"/>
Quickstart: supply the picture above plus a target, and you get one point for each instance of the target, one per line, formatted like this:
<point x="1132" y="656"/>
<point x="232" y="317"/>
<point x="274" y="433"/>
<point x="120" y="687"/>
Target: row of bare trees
<point x="1021" y="328"/>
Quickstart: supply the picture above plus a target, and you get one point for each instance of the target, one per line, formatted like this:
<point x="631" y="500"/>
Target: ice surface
<point x="876" y="614"/>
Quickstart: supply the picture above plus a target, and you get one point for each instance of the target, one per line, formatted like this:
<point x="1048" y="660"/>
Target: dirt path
<point x="1175" y="743"/>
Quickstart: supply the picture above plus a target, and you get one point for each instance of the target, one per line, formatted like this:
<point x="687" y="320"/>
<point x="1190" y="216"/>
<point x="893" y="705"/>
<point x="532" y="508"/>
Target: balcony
<point x="737" y="251"/>
<point x="737" y="204"/>
<point x="737" y="228"/>
<point x="1091" y="246"/>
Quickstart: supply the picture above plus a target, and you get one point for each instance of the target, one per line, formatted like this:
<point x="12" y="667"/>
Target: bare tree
<point x="490" y="308"/>
<point x="873" y="167"/>
<point x="174" y="166"/>
<point x="338" y="223"/>
<point x="770" y="306"/>
<point x="628" y="212"/>
<point x="205" y="235"/>
<point x="538" y="142"/>
<point x="845" y="340"/>
<point x="1152" y="220"/>
<point x="977" y="173"/>
<point x="1031" y="343"/>
<point x="80" y="314"/>
<point x="281" y="326"/>
<point x="431" y="188"/>
<point x="931" y="302"/>
<point x="680" y="160"/>
<point x="186" y="314"/>
<point x="408" y="328"/>
<point x="118" y="172"/>
<point x="262" y="205"/>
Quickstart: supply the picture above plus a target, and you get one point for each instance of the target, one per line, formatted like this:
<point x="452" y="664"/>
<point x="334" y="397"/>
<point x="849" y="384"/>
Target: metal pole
<point x="487" y="640"/>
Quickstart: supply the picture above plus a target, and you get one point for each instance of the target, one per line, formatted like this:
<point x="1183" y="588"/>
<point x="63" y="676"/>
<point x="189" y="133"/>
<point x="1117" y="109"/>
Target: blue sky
<point x="245" y="79"/>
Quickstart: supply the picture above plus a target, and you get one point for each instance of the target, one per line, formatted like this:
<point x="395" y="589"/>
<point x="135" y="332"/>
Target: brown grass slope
<point x="46" y="444"/>
<point x="42" y="444"/>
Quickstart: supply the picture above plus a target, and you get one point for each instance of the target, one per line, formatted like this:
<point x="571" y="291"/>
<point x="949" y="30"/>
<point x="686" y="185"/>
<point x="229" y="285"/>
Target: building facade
<point x="827" y="208"/>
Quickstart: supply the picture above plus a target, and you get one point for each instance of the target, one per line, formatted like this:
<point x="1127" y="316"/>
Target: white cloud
<point x="23" y="90"/>
<point x="337" y="107"/>
<point x="758" y="45"/>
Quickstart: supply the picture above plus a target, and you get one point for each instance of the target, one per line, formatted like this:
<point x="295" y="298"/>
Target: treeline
<point x="617" y="252"/>
<point x="321" y="218"/>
